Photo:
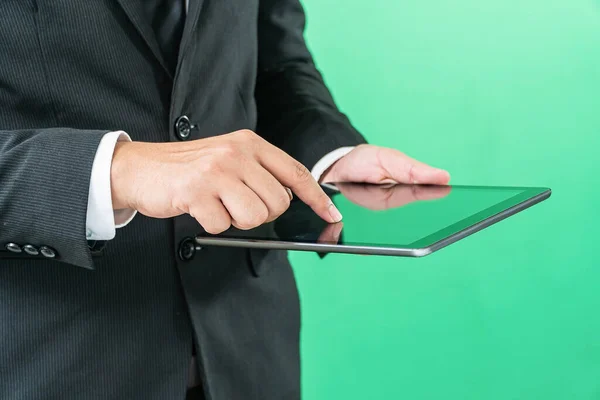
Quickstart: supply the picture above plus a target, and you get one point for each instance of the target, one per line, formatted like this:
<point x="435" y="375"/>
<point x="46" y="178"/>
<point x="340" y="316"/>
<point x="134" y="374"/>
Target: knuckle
<point x="247" y="134"/>
<point x="254" y="219"/>
<point x="217" y="228"/>
<point x="229" y="150"/>
<point x="324" y="200"/>
<point x="184" y="190"/>
<point x="302" y="173"/>
<point x="283" y="203"/>
<point x="210" y="229"/>
<point x="178" y="203"/>
<point x="212" y="222"/>
<point x="411" y="173"/>
<point x="260" y="216"/>
<point x="245" y="224"/>
<point x="218" y="223"/>
<point x="250" y="141"/>
<point x="212" y="166"/>
<point x="257" y="144"/>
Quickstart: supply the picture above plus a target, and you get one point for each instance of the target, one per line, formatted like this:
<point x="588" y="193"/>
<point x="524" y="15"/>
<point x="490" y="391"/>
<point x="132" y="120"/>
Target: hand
<point x="383" y="197"/>
<point x="373" y="164"/>
<point x="236" y="179"/>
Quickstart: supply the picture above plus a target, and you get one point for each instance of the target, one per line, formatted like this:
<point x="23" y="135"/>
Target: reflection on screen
<point x="417" y="220"/>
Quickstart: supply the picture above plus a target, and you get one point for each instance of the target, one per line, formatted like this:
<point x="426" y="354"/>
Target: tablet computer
<point x="394" y="220"/>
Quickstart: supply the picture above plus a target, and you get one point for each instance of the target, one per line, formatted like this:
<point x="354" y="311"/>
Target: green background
<point x="499" y="92"/>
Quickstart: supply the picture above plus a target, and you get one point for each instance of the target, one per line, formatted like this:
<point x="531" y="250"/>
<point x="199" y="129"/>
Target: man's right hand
<point x="236" y="179"/>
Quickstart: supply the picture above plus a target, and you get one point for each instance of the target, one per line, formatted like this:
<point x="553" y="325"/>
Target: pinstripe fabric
<point x="121" y="326"/>
<point x="31" y="218"/>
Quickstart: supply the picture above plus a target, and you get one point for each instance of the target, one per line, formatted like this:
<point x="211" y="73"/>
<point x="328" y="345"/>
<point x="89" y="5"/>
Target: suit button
<point x="187" y="249"/>
<point x="183" y="128"/>
<point x="13" y="247"/>
<point x="48" y="252"/>
<point x="31" y="250"/>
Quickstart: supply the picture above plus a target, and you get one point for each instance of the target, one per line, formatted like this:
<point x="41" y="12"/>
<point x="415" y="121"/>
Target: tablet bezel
<point x="420" y="248"/>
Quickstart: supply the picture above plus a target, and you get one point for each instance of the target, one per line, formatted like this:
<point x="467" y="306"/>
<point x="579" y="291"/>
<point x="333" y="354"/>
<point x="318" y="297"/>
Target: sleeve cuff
<point x="328" y="160"/>
<point x="101" y="219"/>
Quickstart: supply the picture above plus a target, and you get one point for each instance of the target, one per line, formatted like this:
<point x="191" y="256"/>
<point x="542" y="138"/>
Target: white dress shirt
<point x="102" y="220"/>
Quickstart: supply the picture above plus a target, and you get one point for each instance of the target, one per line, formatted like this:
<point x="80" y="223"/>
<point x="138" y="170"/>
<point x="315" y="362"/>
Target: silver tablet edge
<point x="370" y="250"/>
<point x="490" y="221"/>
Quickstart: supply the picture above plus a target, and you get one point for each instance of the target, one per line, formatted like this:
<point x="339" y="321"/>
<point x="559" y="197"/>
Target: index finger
<point x="297" y="177"/>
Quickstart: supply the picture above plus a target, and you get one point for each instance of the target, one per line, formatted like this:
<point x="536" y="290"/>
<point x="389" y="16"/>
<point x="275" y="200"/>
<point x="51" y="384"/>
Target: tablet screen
<point x="417" y="220"/>
<point x="400" y="216"/>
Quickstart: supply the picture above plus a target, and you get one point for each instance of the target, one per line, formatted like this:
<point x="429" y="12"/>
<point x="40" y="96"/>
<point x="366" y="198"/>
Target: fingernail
<point x="335" y="213"/>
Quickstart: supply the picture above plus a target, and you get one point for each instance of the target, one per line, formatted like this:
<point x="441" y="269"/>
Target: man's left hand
<point x="373" y="164"/>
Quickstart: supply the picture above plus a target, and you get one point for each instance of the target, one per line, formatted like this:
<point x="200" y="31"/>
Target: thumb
<point x="424" y="174"/>
<point x="404" y="169"/>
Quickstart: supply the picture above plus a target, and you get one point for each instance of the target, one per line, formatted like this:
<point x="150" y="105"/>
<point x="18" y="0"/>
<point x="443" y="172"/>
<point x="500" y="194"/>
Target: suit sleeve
<point x="44" y="187"/>
<point x="296" y="111"/>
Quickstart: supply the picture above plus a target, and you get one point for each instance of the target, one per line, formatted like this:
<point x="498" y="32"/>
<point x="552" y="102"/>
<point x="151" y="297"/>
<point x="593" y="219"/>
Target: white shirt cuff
<point x="101" y="219"/>
<point x="327" y="161"/>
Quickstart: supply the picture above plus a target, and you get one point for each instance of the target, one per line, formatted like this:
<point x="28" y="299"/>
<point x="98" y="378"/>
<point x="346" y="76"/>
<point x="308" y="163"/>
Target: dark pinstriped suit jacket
<point x="121" y="324"/>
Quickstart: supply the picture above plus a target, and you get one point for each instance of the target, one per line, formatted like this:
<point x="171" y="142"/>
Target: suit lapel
<point x="193" y="12"/>
<point x="135" y="11"/>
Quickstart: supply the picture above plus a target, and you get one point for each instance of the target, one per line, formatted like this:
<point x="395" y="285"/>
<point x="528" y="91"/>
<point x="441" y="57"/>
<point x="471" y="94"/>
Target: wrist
<point x="328" y="175"/>
<point x="326" y="169"/>
<point x="120" y="172"/>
